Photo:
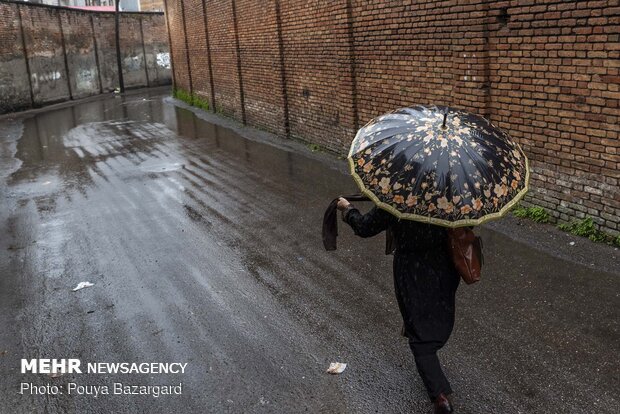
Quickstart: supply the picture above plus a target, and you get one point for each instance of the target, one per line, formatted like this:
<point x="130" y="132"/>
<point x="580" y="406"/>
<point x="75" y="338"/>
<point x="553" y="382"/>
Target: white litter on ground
<point x="83" y="285"/>
<point x="336" y="367"/>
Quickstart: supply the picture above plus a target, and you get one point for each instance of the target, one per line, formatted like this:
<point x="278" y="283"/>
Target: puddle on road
<point x="65" y="146"/>
<point x="140" y="138"/>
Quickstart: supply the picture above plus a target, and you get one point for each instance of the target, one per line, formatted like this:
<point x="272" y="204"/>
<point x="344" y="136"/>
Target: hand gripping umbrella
<point x="439" y="165"/>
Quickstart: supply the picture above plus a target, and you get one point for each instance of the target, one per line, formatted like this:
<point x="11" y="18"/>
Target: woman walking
<point x="425" y="281"/>
<point x="427" y="169"/>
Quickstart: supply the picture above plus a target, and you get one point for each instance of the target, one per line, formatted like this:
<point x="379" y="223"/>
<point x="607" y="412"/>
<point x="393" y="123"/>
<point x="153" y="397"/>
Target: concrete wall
<point x="52" y="54"/>
<point x="546" y="71"/>
<point x="15" y="91"/>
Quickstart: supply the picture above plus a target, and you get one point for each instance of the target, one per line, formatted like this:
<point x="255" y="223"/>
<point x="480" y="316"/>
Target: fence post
<point x="209" y="64"/>
<point x="174" y="77"/>
<point x="351" y="47"/>
<point x="21" y="29"/>
<point x="486" y="56"/>
<point x="287" y="125"/>
<point x="240" y="76"/>
<point x="92" y="27"/>
<point x="189" y="66"/>
<point x="64" y="53"/>
<point x="119" y="63"/>
<point x="146" y="65"/>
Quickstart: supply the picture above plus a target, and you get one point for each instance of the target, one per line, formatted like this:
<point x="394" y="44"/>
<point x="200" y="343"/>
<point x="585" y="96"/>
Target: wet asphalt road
<point x="204" y="247"/>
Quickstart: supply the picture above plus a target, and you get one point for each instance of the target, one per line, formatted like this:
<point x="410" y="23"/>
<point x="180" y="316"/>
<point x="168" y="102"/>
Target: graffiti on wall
<point x="52" y="65"/>
<point x="86" y="79"/>
<point x="48" y="78"/>
<point x="163" y="60"/>
<point x="133" y="62"/>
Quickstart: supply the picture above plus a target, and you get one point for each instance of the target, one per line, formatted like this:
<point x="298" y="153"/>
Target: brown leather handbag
<point x="466" y="251"/>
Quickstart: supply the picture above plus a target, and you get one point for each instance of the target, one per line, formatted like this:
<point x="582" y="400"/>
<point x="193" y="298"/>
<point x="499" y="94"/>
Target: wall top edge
<point x="69" y="9"/>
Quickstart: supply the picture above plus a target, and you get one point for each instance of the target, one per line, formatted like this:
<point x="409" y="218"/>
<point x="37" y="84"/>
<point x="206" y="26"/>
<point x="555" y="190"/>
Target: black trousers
<point x="426" y="287"/>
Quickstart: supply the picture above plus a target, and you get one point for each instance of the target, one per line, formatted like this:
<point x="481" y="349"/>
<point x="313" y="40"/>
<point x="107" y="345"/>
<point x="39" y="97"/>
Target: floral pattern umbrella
<point x="439" y="165"/>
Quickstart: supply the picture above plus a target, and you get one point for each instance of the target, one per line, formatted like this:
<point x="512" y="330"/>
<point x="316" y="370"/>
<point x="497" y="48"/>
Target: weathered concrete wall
<point x="46" y="54"/>
<point x="51" y="54"/>
<point x="83" y="71"/>
<point x="155" y="41"/>
<point x="546" y="71"/>
<point x="14" y="81"/>
<point x="106" y="50"/>
<point x="132" y="52"/>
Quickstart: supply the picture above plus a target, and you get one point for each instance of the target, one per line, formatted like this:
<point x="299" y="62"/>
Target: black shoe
<point x="443" y="405"/>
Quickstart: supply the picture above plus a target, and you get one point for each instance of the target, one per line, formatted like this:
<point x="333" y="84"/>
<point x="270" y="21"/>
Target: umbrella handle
<point x="443" y="125"/>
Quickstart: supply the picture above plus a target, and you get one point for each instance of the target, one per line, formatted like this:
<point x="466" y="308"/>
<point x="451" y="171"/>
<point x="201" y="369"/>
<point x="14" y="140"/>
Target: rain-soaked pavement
<point x="204" y="247"/>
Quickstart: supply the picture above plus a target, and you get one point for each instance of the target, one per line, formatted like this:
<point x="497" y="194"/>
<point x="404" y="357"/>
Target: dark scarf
<point x="330" y="225"/>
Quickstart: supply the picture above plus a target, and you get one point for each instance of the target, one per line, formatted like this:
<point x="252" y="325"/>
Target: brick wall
<point x="224" y="57"/>
<point x="554" y="77"/>
<point x="263" y="93"/>
<point x="178" y="51"/>
<point x="427" y="52"/>
<point x="200" y="59"/>
<point x="316" y="63"/>
<point x="545" y="71"/>
<point x="50" y="54"/>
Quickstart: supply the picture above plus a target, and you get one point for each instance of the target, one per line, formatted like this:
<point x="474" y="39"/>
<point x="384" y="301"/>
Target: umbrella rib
<point x="370" y="143"/>
<point x="484" y="172"/>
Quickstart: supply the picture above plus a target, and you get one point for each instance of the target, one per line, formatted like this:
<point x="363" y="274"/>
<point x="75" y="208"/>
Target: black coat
<point x="408" y="236"/>
<point x="425" y="282"/>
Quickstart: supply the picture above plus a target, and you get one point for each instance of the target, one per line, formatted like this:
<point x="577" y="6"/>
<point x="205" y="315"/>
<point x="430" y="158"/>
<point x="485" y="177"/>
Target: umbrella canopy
<point x="439" y="165"/>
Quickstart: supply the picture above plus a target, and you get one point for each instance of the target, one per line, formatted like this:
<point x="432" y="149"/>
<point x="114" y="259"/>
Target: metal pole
<point x="118" y="48"/>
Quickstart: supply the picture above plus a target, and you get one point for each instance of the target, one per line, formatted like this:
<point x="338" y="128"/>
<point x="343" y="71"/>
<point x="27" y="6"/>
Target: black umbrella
<point x="440" y="165"/>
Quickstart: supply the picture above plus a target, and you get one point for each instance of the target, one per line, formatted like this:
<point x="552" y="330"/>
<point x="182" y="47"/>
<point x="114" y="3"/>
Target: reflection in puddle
<point x="77" y="148"/>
